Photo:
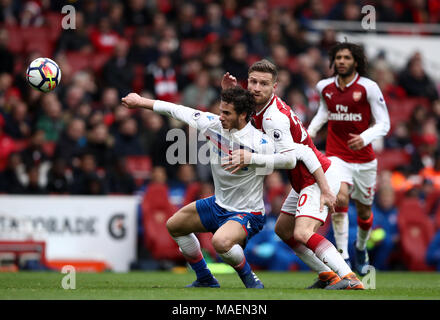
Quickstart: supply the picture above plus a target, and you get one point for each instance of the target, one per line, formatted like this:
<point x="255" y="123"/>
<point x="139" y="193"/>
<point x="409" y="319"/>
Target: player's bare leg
<point x="340" y="221"/>
<point x="284" y="229"/>
<point x="365" y="222"/>
<point x="228" y="241"/>
<point x="181" y="227"/>
<point x="305" y="232"/>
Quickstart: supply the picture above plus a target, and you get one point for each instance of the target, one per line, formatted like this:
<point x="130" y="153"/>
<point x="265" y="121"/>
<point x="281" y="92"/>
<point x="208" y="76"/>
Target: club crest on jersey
<point x="277" y="135"/>
<point x="357" y="95"/>
<point x="196" y="115"/>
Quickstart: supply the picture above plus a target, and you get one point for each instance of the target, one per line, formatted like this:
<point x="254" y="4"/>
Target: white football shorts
<point x="307" y="202"/>
<point x="360" y="176"/>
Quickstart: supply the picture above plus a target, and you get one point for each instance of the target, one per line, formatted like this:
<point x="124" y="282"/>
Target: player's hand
<point x="238" y="160"/>
<point x="327" y="199"/>
<point x="356" y="142"/>
<point x="132" y="100"/>
<point x="228" y="81"/>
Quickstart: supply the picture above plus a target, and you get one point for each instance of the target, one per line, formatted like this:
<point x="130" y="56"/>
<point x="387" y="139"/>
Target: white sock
<point x="307" y="256"/>
<point x="234" y="256"/>
<point x="328" y="254"/>
<point x="340" y="229"/>
<point x="190" y="247"/>
<point x="362" y="238"/>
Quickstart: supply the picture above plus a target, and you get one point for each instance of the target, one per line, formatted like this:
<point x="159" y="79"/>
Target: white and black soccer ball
<point x="43" y="74"/>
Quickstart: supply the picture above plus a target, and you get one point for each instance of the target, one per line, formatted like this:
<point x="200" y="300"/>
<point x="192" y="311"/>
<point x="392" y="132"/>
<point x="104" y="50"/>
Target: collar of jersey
<point x="265" y="107"/>
<point x="242" y="132"/>
<point x="348" y="84"/>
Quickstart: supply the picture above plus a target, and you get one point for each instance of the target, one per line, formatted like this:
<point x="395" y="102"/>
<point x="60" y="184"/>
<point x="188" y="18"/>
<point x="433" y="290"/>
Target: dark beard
<point x="349" y="72"/>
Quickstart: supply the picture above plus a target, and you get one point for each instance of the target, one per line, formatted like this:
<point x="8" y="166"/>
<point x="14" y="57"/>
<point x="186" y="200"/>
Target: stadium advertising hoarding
<point x="74" y="228"/>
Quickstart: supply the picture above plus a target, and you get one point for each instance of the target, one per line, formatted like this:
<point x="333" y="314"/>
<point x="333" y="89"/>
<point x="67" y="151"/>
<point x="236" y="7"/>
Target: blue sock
<point x="244" y="270"/>
<point x="201" y="270"/>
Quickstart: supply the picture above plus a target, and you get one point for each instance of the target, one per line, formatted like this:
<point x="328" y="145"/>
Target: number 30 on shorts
<point x="302" y="200"/>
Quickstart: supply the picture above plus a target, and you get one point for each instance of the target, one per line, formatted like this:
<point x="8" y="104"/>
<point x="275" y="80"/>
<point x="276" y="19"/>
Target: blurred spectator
<point x="85" y="179"/>
<point x="119" y="180"/>
<point x="433" y="252"/>
<point x="118" y="71"/>
<point x="386" y="11"/>
<point x="416" y="11"/>
<point x="72" y="142"/>
<point x="347" y="10"/>
<point x="6" y="57"/>
<point x="136" y="13"/>
<point x="143" y="50"/>
<point x="415" y="81"/>
<point x="254" y="38"/>
<point x="9" y="11"/>
<point x="215" y="22"/>
<point x="58" y="180"/>
<point x="100" y="144"/>
<point x="186" y="21"/>
<point x="76" y="39"/>
<point x="104" y="38"/>
<point x="236" y="63"/>
<point x="10" y="176"/>
<point x="7" y="145"/>
<point x="116" y="17"/>
<point x="17" y="123"/>
<point x="126" y="139"/>
<point x="31" y="14"/>
<point x="91" y="11"/>
<point x="310" y="10"/>
<point x="399" y="138"/>
<point x="385" y="79"/>
<point x="33" y="181"/>
<point x="199" y="94"/>
<point x="51" y="120"/>
<point x="385" y="233"/>
<point x="161" y="79"/>
<point x="34" y="153"/>
<point x="178" y="187"/>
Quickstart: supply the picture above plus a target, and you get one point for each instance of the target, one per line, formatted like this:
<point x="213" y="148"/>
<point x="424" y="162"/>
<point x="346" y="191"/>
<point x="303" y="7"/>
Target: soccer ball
<point x="43" y="74"/>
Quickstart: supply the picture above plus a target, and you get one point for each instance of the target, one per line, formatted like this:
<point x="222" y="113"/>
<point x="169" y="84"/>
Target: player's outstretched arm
<point x="133" y="100"/>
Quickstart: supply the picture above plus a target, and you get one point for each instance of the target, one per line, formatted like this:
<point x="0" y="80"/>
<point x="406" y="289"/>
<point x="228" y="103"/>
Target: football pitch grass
<point x="170" y="286"/>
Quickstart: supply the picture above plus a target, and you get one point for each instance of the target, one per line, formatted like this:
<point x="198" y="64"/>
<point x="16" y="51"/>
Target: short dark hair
<point x="242" y="99"/>
<point x="264" y="66"/>
<point x="357" y="52"/>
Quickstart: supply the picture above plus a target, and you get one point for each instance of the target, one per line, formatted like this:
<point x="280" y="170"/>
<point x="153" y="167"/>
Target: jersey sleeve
<point x="287" y="151"/>
<point x="380" y="115"/>
<point x="321" y="116"/>
<point x="194" y="118"/>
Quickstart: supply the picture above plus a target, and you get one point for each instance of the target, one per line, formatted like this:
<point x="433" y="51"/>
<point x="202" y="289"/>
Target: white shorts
<point x="308" y="201"/>
<point x="360" y="176"/>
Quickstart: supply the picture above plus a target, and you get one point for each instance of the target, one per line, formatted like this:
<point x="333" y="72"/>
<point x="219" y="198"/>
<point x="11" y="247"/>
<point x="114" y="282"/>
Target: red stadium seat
<point x="401" y="110"/>
<point x="15" y="39"/>
<point x="53" y="22"/>
<point x="286" y="4"/>
<point x="139" y="167"/>
<point x="432" y="202"/>
<point x="98" y="60"/>
<point x="437" y="218"/>
<point x="138" y="80"/>
<point x="156" y="210"/>
<point x="416" y="231"/>
<point x="391" y="159"/>
<point x="192" y="48"/>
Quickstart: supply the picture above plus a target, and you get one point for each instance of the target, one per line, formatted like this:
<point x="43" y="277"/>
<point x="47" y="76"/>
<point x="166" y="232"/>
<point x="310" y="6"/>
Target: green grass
<point x="169" y="286"/>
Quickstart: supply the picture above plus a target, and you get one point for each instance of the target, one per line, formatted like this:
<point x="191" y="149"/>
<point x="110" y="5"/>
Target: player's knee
<point x="342" y="200"/>
<point x="172" y="227"/>
<point x="301" y="236"/>
<point x="222" y="244"/>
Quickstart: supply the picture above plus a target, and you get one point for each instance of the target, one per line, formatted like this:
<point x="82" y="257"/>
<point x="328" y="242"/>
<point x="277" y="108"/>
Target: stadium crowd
<point x="79" y="139"/>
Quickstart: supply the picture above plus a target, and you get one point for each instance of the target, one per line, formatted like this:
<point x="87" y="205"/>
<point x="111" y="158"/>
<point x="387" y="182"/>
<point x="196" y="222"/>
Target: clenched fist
<point x="133" y="100"/>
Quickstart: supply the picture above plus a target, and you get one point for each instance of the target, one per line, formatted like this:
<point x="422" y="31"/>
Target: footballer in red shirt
<point x="356" y="113"/>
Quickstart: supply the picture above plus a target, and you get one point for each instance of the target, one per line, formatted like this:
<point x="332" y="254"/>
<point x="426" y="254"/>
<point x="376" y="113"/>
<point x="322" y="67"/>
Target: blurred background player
<point x="302" y="212"/>
<point x="355" y="110"/>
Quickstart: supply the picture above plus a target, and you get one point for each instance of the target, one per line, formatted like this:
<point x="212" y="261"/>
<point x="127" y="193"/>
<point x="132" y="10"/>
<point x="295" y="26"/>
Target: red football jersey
<point x="278" y="121"/>
<point x="351" y="110"/>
